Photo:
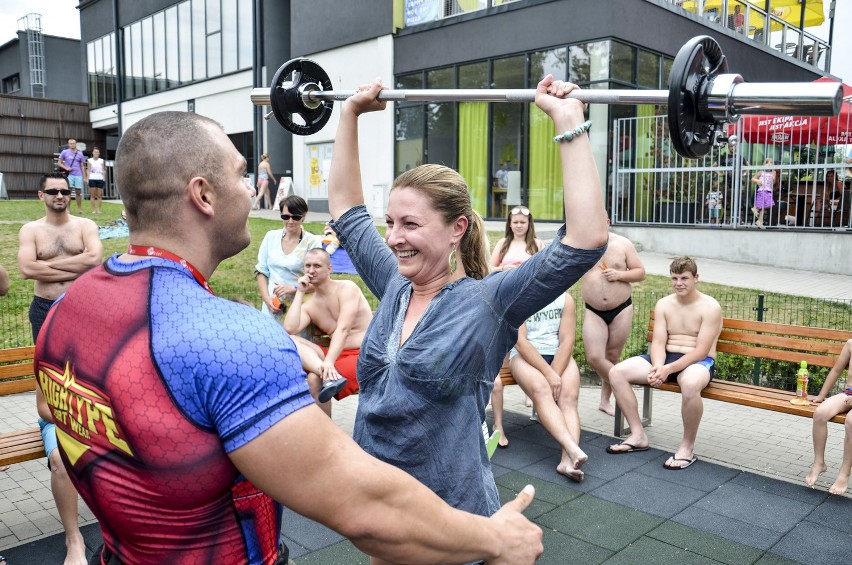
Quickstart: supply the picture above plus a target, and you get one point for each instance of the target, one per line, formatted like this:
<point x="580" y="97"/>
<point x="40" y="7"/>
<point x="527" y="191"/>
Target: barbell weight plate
<point x="285" y="97"/>
<point x="691" y="126"/>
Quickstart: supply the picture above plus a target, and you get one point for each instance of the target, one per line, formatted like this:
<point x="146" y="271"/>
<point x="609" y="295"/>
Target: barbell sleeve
<point x="737" y="98"/>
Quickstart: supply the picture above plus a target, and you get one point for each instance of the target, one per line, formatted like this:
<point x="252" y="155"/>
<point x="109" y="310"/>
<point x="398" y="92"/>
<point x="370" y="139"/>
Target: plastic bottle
<point x="802" y="378"/>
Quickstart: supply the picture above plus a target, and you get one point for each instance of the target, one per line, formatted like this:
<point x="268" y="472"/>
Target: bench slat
<point x="767" y="401"/>
<point x="788" y="329"/>
<point x="14" y="371"/>
<point x="17" y="354"/>
<point x="14" y="387"/>
<point x="831" y="348"/>
<point x="23" y="445"/>
<point x="777" y="354"/>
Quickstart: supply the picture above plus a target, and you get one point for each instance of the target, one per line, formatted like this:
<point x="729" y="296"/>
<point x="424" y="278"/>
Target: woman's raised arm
<point x="585" y="217"/>
<point x="344" y="178"/>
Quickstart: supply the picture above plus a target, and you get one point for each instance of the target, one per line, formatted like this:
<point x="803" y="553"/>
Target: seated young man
<point x="683" y="349"/>
<point x="338" y="308"/>
<point x="828" y="409"/>
<point x="543" y="367"/>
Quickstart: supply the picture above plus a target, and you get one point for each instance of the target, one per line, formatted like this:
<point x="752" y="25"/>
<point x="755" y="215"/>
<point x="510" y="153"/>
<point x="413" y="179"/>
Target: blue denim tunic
<point x="422" y="404"/>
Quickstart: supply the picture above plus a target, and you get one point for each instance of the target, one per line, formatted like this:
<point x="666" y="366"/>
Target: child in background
<point x="828" y="409"/>
<point x="765" y="180"/>
<point x="714" y="204"/>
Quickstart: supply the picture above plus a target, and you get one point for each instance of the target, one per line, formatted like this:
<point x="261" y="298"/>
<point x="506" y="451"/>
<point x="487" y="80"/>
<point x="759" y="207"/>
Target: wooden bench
<point x="16" y="375"/>
<point x="760" y="340"/>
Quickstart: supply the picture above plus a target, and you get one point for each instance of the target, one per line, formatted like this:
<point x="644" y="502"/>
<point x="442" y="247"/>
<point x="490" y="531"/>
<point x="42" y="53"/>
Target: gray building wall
<point x="531" y="25"/>
<point x="321" y="25"/>
<point x="64" y="71"/>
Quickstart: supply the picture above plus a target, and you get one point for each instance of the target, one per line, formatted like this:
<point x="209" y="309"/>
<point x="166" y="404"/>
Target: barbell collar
<point x="728" y="98"/>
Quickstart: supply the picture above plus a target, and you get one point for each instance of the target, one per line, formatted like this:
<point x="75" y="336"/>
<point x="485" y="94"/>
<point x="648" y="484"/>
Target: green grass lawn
<point x="235" y="279"/>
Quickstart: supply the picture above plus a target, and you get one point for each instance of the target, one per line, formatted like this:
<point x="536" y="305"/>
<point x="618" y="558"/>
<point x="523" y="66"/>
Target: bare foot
<point x="527" y="401"/>
<point x="503" y="441"/>
<point x="606" y="408"/>
<point x="565" y="469"/>
<point x="840" y="485"/>
<point x="76" y="554"/>
<point x="816" y="470"/>
<point x="4" y="468"/>
<point x="575" y="460"/>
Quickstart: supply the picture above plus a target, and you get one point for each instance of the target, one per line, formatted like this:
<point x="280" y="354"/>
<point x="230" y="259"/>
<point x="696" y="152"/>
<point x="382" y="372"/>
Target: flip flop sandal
<point x="620" y="451"/>
<point x="689" y="462"/>
<point x="331" y="388"/>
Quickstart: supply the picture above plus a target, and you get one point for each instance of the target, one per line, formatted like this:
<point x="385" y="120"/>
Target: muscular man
<point x="606" y="291"/>
<point x="339" y="309"/>
<point x="686" y="327"/>
<point x="183" y="433"/>
<point x="73" y="162"/>
<point x="54" y="251"/>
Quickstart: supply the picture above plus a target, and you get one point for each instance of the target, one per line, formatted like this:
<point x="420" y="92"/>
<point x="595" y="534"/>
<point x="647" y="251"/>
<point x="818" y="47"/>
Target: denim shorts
<point x="48" y="436"/>
<point x="708" y="362"/>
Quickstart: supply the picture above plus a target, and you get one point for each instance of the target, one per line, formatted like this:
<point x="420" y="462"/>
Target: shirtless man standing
<point x="339" y="309"/>
<point x="609" y="309"/>
<point x="686" y="327"/>
<point x="54" y="251"/>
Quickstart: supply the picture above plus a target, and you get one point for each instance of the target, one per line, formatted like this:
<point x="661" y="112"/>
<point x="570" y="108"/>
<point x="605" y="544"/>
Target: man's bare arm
<point x="298" y="316"/>
<point x="385" y="512"/>
<point x="4" y="281"/>
<point x="91" y="256"/>
<point x="661" y="335"/>
<point x="30" y="265"/>
<point x="635" y="269"/>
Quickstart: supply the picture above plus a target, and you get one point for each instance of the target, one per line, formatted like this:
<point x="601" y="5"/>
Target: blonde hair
<point x="447" y="190"/>
<point x="264" y="156"/>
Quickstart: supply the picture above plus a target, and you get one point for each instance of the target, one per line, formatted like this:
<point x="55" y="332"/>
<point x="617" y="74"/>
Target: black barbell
<point x="702" y="98"/>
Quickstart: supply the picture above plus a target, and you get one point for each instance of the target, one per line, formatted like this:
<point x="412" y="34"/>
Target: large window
<point x="191" y="41"/>
<point x="480" y="138"/>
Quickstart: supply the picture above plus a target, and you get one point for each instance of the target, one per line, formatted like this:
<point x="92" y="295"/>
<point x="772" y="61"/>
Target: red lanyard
<point x="150" y="251"/>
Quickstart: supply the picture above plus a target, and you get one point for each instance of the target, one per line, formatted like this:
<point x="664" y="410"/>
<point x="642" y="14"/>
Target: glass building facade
<point x="478" y="138"/>
<point x="190" y="41"/>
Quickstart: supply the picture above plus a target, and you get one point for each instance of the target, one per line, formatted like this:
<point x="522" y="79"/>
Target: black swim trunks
<point x="609" y="315"/>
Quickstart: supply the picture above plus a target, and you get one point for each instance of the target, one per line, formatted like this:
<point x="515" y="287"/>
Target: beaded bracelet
<point x="576" y="132"/>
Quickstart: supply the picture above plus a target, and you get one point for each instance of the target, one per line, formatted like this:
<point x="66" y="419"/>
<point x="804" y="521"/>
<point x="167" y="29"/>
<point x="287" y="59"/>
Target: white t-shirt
<point x="96" y="169"/>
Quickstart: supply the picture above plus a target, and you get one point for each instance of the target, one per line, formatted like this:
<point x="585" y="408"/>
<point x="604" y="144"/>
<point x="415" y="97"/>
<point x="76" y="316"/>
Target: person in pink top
<point x="516" y="246"/>
<point x="765" y="180"/>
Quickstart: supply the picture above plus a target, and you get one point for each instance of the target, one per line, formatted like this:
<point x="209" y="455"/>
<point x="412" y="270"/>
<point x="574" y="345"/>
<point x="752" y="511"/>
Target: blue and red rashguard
<point x="152" y="381"/>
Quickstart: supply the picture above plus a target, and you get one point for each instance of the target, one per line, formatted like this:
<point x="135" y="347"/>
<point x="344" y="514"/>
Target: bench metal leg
<point x="621" y="428"/>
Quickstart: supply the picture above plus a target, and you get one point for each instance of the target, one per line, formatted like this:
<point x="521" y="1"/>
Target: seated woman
<point x="829" y="408"/>
<point x="543" y="366"/>
<point x="516" y="246"/>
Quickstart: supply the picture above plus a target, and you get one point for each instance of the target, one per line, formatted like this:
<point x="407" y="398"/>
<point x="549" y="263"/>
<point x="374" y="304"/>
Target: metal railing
<point x="752" y="21"/>
<point x="651" y="184"/>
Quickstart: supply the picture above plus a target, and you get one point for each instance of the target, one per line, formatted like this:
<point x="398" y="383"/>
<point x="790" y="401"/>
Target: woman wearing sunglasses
<point x="444" y="325"/>
<point x="518" y="245"/>
<point x="281" y="257"/>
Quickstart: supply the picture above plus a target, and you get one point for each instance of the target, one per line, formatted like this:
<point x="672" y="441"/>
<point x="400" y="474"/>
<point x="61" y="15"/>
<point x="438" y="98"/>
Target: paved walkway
<point x="744" y="502"/>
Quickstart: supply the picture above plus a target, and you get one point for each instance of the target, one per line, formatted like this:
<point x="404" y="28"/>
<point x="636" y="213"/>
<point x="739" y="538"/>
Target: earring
<point x="453" y="261"/>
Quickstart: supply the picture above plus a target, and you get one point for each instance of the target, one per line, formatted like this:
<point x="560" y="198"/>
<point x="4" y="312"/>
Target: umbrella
<point x="802" y="130"/>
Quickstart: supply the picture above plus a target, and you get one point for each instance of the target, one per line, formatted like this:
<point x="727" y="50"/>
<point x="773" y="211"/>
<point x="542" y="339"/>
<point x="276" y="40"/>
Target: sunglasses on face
<point x="55" y="191"/>
<point x="520" y="210"/>
<point x="295" y="217"/>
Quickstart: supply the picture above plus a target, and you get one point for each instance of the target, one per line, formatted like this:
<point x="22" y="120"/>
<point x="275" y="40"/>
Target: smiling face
<point x="418" y="236"/>
<point x="684" y="283"/>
